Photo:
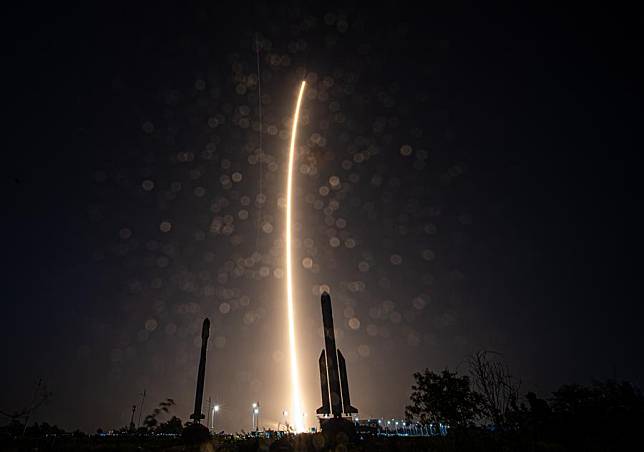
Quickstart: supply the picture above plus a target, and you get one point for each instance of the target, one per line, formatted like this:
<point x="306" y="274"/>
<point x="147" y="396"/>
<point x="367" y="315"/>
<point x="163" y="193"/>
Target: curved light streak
<point x="296" y="398"/>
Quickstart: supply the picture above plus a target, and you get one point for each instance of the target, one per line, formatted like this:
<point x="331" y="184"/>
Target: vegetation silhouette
<point x="443" y="397"/>
<point x="484" y="410"/>
<point x="498" y="388"/>
<point x="41" y="396"/>
<point x="151" y="422"/>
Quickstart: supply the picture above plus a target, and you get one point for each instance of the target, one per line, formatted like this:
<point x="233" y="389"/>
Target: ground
<point x="304" y="442"/>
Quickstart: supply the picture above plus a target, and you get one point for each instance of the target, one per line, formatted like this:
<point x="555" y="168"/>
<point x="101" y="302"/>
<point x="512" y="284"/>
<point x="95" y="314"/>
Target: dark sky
<point x="462" y="184"/>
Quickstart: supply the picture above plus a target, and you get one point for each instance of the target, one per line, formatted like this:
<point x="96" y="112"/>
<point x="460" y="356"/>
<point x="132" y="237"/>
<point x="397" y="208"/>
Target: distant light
<point x="216" y="408"/>
<point x="256" y="410"/>
<point x="254" y="404"/>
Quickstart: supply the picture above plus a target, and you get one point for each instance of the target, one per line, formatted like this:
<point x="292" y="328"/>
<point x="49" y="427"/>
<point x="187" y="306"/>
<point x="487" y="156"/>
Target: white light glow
<point x="296" y="398"/>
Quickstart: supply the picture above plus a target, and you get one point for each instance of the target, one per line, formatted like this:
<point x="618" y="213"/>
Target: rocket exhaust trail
<point x="296" y="398"/>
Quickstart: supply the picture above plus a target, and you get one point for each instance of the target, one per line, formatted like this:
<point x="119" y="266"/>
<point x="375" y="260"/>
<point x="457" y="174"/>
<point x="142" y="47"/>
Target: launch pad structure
<point x="195" y="432"/>
<point x="336" y="412"/>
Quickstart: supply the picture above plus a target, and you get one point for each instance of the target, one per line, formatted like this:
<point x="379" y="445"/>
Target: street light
<point x="255" y="415"/>
<point x="215" y="409"/>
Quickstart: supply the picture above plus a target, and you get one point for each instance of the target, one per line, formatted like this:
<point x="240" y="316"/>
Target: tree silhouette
<point x="151" y="421"/>
<point x="499" y="390"/>
<point x="171" y="426"/>
<point x="602" y="414"/>
<point x="40" y="397"/>
<point x="443" y="397"/>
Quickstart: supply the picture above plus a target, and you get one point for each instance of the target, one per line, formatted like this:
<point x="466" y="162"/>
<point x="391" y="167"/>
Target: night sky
<point x="461" y="184"/>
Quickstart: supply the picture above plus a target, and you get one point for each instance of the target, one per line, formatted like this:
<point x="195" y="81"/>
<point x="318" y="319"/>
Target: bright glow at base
<point x="296" y="397"/>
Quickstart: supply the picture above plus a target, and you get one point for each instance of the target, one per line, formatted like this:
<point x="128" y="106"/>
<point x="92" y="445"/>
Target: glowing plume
<point x="297" y="420"/>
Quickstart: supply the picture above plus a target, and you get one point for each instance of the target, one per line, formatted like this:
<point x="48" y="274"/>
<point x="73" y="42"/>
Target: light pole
<point x="132" y="418"/>
<point x="285" y="414"/>
<point x="215" y="409"/>
<point x="208" y="421"/>
<point x="255" y="414"/>
<point x="141" y="407"/>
